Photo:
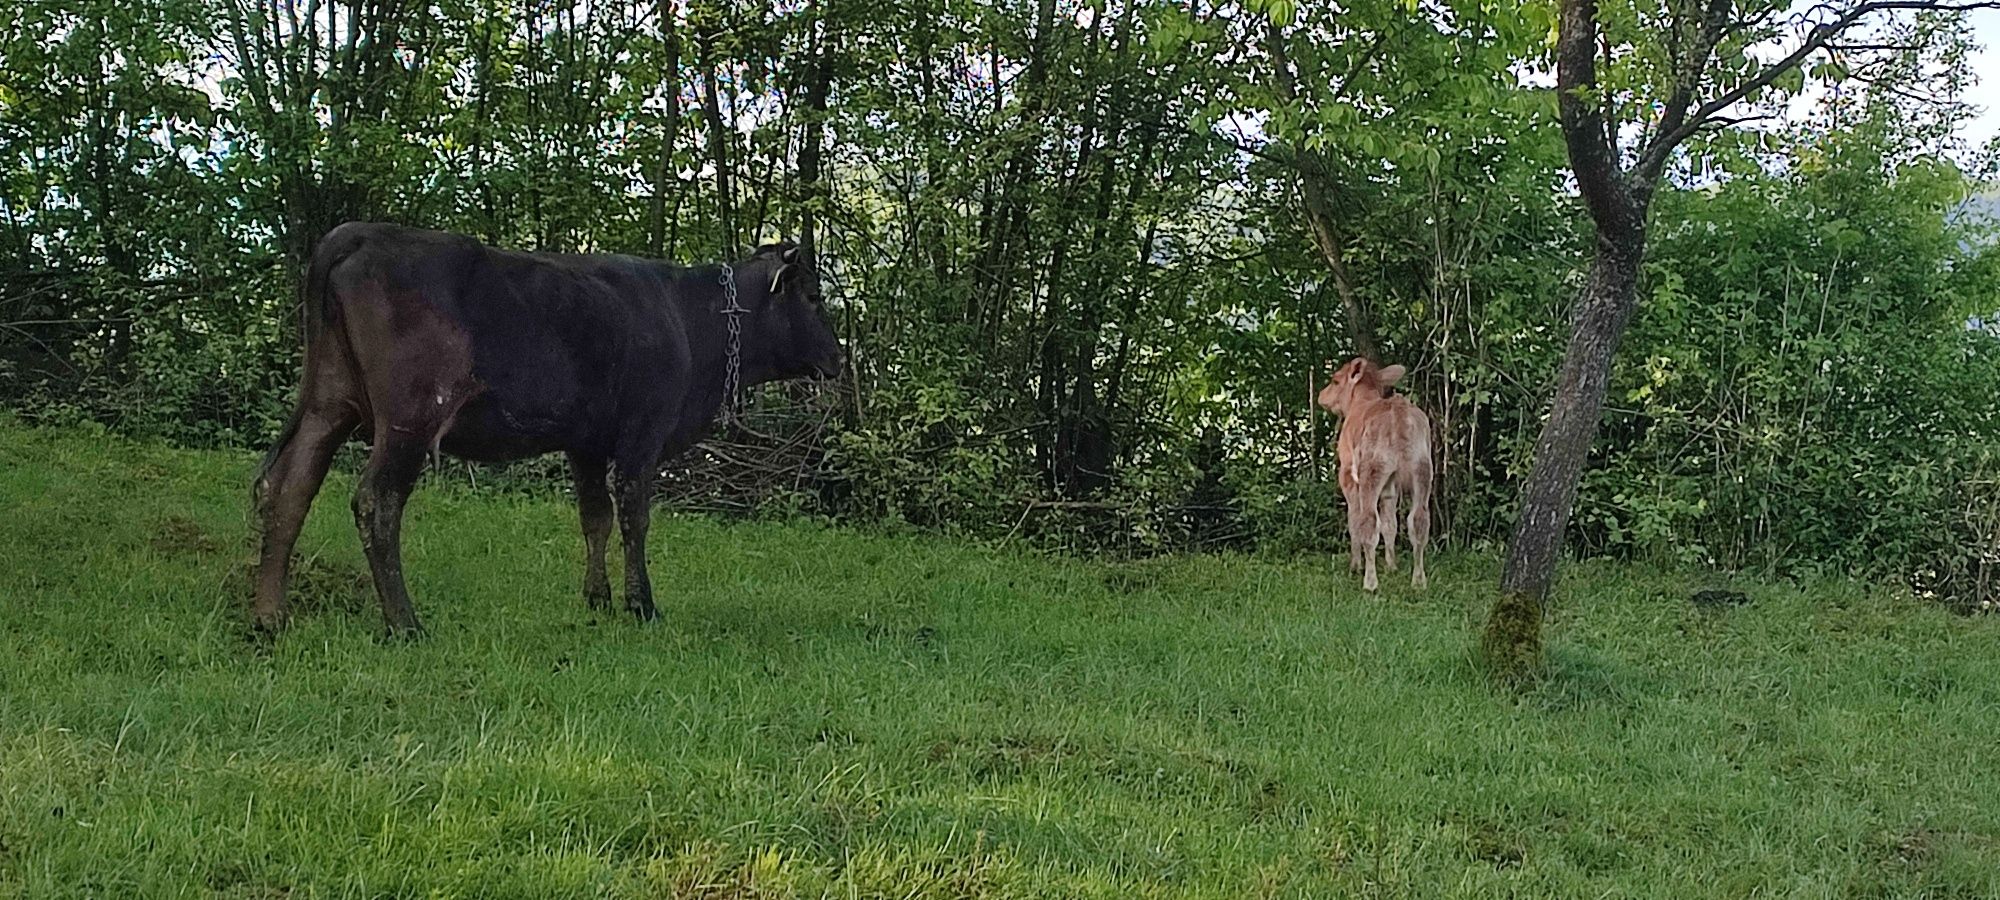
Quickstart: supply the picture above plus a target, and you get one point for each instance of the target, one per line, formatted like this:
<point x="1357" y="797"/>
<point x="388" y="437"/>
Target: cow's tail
<point x="317" y="312"/>
<point x="317" y="309"/>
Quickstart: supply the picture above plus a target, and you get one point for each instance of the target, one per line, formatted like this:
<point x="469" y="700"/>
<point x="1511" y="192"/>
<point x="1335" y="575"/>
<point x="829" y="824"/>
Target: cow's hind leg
<point x="635" y="515"/>
<point x="393" y="467"/>
<point x="593" y="506"/>
<point x="283" y="495"/>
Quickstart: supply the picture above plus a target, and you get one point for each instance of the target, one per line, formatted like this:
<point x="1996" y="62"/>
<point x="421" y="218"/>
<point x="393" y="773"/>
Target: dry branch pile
<point x="773" y="448"/>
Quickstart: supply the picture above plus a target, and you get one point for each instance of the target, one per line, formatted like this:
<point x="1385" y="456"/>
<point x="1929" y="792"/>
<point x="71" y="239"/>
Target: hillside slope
<point x="824" y="713"/>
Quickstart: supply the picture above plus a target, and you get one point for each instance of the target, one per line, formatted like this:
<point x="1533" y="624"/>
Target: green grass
<point x="826" y="713"/>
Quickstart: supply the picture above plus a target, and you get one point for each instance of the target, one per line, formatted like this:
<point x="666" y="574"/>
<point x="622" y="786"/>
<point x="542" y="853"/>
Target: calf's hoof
<point x="411" y="630"/>
<point x="1419" y="582"/>
<point x="1369" y="584"/>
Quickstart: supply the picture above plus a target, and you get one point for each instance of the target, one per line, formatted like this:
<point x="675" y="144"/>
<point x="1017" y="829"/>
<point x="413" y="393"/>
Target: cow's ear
<point x="778" y="276"/>
<point x="1389" y="375"/>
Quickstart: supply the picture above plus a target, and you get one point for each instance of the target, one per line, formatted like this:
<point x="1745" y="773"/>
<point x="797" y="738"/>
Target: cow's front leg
<point x="593" y="506"/>
<point x="635" y="514"/>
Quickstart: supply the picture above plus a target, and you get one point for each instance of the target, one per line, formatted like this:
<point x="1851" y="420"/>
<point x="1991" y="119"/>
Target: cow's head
<point x="1357" y="381"/>
<point x="788" y="333"/>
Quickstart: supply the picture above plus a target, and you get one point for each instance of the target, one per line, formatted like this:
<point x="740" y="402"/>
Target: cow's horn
<point x="778" y="276"/>
<point x="792" y="255"/>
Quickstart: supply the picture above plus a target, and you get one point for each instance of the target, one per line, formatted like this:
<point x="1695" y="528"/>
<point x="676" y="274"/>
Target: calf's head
<point x="787" y="333"/>
<point x="1356" y="382"/>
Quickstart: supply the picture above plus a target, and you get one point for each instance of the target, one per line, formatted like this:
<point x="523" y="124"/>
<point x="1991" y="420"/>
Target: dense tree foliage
<point x="1091" y="257"/>
<point x="1634" y="84"/>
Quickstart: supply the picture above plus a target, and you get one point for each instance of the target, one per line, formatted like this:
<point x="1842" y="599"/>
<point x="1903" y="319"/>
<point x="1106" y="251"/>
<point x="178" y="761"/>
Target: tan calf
<point x="1385" y="454"/>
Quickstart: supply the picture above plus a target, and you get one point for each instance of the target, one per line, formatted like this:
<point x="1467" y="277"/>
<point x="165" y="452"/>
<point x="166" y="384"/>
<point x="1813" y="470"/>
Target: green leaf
<point x="1791" y="81"/>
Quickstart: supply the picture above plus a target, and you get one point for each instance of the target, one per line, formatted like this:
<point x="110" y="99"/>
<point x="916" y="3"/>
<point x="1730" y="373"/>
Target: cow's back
<point x="558" y="348"/>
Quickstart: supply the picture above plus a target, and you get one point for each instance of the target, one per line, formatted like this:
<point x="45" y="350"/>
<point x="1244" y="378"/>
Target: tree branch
<point x="1689" y="65"/>
<point x="1592" y="156"/>
<point x="1816" y="39"/>
<point x="1263" y="152"/>
<point x="1313" y="180"/>
<point x="1721" y="122"/>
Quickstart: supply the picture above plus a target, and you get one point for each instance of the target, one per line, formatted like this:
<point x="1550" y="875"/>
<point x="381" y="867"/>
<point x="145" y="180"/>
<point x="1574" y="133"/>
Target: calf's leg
<point x="1385" y="525"/>
<point x="1355" y="517"/>
<point x="1369" y="495"/>
<point x="1420" y="523"/>
<point x="635" y="515"/>
<point x="392" y="470"/>
<point x="593" y="506"/>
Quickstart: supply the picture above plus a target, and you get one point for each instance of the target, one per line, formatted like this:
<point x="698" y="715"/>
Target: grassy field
<point x="828" y="713"/>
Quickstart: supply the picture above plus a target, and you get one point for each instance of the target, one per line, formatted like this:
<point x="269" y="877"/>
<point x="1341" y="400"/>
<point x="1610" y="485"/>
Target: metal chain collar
<point x="733" y="368"/>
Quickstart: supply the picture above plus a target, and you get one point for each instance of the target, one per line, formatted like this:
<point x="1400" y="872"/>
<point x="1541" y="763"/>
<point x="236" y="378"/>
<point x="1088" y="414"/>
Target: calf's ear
<point x="1389" y="375"/>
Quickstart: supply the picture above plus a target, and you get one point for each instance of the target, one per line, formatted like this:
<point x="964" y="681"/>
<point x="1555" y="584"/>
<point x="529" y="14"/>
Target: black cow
<point x="431" y="341"/>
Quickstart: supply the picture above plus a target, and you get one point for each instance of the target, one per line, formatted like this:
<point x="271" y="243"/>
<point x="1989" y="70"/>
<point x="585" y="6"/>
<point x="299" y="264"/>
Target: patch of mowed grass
<point x="821" y="712"/>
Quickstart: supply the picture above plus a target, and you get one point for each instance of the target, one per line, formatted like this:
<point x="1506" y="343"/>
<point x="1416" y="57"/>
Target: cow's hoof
<point x="598" y="601"/>
<point x="410" y="632"/>
<point x="266" y="626"/>
<point x="645" y="612"/>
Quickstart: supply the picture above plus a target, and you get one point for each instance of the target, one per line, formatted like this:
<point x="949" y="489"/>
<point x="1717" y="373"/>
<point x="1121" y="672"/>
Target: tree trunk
<point x="1316" y="189"/>
<point x="535" y="124"/>
<point x="1012" y="213"/>
<point x="483" y="74"/>
<point x="1513" y="638"/>
<point x="929" y="237"/>
<point x="718" y="147"/>
<point x="670" y="129"/>
<point x="818" y="86"/>
<point x="1327" y="237"/>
